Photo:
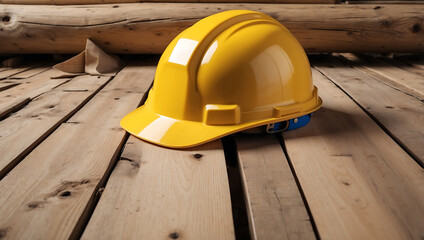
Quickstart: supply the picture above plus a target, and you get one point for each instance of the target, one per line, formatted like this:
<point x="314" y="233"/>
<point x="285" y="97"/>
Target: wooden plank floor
<point x="67" y="169"/>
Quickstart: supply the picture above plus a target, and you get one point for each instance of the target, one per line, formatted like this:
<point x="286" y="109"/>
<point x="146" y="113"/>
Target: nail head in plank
<point x="358" y="182"/>
<point x="276" y="208"/>
<point x="74" y="159"/>
<point x="159" y="193"/>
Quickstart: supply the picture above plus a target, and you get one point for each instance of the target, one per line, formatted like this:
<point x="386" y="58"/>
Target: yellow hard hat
<point x="229" y="72"/>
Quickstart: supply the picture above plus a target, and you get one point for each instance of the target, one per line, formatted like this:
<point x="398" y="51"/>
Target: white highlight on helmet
<point x="183" y="51"/>
<point x="210" y="52"/>
<point x="157" y="129"/>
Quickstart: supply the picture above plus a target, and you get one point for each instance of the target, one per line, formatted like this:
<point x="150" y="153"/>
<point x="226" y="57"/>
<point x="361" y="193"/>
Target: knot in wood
<point x="416" y="28"/>
<point x="3" y="233"/>
<point x="66" y="194"/>
<point x="174" y="235"/>
<point x="5" y="19"/>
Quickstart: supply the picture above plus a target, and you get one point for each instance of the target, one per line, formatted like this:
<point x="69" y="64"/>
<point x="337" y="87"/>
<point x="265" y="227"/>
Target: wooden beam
<point x="72" y="2"/>
<point x="358" y="182"/>
<point x="385" y="2"/>
<point x="275" y="206"/>
<point x="159" y="193"/>
<point x="58" y="181"/>
<point x="149" y="27"/>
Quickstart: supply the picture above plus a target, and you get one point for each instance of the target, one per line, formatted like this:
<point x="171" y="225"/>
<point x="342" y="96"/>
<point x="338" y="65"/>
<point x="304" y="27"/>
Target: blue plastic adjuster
<point x="298" y="122"/>
<point x="289" y="125"/>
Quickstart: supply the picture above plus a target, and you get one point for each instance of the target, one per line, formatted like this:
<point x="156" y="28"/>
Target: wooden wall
<point x="59" y="2"/>
<point x="137" y="28"/>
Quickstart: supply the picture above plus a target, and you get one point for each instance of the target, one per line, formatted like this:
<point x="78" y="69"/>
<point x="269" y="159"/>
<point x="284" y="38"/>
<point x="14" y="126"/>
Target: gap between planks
<point x="60" y="183"/>
<point x="399" y="114"/>
<point x="358" y="182"/>
<point x="13" y="99"/>
<point x="159" y="193"/>
<point x="401" y="79"/>
<point x="276" y="208"/>
<point x="24" y="130"/>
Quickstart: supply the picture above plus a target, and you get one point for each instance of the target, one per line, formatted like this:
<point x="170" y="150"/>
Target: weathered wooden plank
<point x="405" y="66"/>
<point x="389" y="74"/>
<point x="359" y="184"/>
<point x="415" y="61"/>
<point x="30" y="73"/>
<point x="7" y="84"/>
<point x="12" y="106"/>
<point x="276" y="208"/>
<point x="158" y="193"/>
<point x="150" y="27"/>
<point x="62" y="2"/>
<point x="12" y="71"/>
<point x="399" y="113"/>
<point x="21" y="132"/>
<point x="50" y="193"/>
<point x="14" y="98"/>
<point x="3" y="69"/>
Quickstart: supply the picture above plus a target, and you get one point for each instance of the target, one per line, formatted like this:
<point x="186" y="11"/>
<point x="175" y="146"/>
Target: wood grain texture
<point x="388" y="73"/>
<point x="14" y="98"/>
<point x="49" y="194"/>
<point x="275" y="206"/>
<point x="30" y="72"/>
<point x="405" y="66"/>
<point x="12" y="71"/>
<point x="7" y="84"/>
<point x="159" y="193"/>
<point x="384" y="2"/>
<point x="150" y="27"/>
<point x="22" y="131"/>
<point x="416" y="61"/>
<point x="64" y="2"/>
<point x="358" y="182"/>
<point x="401" y="114"/>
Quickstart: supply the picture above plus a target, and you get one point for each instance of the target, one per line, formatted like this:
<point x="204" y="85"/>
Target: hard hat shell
<point x="229" y="72"/>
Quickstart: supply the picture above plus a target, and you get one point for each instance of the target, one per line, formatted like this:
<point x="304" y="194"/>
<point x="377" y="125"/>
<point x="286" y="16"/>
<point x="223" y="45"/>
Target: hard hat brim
<point x="173" y="133"/>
